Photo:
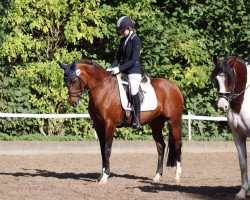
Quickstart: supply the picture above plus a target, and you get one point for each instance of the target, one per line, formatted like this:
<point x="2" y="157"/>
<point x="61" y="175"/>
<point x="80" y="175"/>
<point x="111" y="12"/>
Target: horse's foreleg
<point x="157" y="127"/>
<point x="106" y="139"/>
<point x="240" y="143"/>
<point x="105" y="151"/>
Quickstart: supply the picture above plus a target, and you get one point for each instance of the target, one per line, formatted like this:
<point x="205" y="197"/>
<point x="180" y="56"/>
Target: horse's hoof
<point x="241" y="194"/>
<point x="178" y="172"/>
<point x="102" y="182"/>
<point x="177" y="179"/>
<point x="248" y="194"/>
<point x="103" y="178"/>
<point x="157" y="178"/>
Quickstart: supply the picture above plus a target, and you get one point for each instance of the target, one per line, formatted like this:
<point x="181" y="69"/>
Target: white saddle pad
<point x="149" y="102"/>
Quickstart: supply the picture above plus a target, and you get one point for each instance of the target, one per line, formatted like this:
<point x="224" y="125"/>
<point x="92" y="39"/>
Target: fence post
<point x="189" y="126"/>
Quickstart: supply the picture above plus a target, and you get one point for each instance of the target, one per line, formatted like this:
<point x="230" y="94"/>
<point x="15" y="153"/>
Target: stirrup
<point x="124" y="123"/>
<point x="137" y="124"/>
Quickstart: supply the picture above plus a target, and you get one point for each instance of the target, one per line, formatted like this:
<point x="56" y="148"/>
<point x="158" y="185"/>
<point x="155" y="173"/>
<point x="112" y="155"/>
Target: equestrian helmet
<point x="123" y="23"/>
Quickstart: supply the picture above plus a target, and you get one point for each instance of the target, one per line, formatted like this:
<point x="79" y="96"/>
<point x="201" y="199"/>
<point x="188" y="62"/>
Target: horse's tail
<point x="174" y="154"/>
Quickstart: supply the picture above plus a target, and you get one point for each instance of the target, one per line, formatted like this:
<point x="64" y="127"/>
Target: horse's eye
<point x="74" y="80"/>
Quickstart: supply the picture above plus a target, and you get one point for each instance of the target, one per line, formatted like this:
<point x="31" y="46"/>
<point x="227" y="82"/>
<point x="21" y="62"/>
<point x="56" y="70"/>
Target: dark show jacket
<point x="128" y="56"/>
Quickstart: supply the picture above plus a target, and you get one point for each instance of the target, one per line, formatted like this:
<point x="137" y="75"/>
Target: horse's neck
<point x="242" y="88"/>
<point x="242" y="77"/>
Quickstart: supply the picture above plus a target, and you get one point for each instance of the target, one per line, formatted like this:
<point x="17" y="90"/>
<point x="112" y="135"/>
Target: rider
<point x="128" y="58"/>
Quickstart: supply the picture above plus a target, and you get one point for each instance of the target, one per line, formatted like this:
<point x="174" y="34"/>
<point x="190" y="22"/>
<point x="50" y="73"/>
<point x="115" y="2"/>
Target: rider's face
<point x="125" y="33"/>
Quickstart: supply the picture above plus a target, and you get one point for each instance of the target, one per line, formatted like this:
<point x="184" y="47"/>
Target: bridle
<point x="230" y="96"/>
<point x="83" y="86"/>
<point x="81" y="90"/>
<point x="71" y="74"/>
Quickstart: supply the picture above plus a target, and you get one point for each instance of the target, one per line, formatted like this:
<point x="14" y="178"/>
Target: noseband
<point x="229" y="96"/>
<point x="226" y="95"/>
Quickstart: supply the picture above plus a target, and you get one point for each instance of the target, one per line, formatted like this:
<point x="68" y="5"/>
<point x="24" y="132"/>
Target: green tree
<point x="179" y="39"/>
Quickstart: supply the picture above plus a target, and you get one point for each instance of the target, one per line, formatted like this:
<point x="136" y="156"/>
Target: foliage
<point x="13" y="99"/>
<point x="50" y="96"/>
<point x="178" y="38"/>
<point x="224" y="24"/>
<point x="36" y="30"/>
<point x="39" y="137"/>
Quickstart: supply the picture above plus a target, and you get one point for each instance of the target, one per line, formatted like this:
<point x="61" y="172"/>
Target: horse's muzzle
<point x="75" y="102"/>
<point x="223" y="105"/>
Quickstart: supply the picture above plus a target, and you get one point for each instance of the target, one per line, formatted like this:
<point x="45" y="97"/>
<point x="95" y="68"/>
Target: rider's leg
<point x="137" y="110"/>
<point x="134" y="80"/>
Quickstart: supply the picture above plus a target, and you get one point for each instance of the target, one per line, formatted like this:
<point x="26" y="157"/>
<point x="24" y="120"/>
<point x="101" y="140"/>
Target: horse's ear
<point x="216" y="60"/>
<point x="234" y="58"/>
<point x="62" y="65"/>
<point x="73" y="66"/>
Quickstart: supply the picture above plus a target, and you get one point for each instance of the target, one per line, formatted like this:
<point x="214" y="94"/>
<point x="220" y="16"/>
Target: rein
<point x="99" y="83"/>
<point x="233" y="96"/>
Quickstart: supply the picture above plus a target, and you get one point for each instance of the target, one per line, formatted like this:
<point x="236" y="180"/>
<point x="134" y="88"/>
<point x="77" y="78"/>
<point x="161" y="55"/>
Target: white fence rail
<point x="47" y="116"/>
<point x="191" y="117"/>
<point x="188" y="117"/>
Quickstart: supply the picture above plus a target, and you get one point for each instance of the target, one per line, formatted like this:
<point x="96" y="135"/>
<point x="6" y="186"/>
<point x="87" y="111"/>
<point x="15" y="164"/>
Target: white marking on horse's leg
<point x="157" y="178"/>
<point x="103" y="178"/>
<point x="178" y="172"/>
<point x="241" y="194"/>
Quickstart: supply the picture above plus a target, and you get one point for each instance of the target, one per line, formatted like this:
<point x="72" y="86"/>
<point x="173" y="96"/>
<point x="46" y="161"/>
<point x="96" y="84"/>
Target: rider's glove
<point x="109" y="69"/>
<point x="114" y="70"/>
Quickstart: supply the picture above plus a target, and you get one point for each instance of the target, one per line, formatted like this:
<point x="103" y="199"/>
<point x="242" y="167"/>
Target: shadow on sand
<point x="198" y="192"/>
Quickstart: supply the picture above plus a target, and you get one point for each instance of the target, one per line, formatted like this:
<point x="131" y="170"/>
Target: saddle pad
<point x="149" y="102"/>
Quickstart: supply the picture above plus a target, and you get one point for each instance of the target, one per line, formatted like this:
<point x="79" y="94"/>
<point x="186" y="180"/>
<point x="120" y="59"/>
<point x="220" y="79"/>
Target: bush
<point x="178" y="40"/>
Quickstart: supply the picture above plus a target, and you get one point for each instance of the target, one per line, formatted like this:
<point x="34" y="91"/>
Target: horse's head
<point x="73" y="82"/>
<point x="223" y="75"/>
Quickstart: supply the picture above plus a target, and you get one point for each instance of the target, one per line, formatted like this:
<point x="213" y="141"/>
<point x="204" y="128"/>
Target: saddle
<point x="146" y="94"/>
<point x="126" y="86"/>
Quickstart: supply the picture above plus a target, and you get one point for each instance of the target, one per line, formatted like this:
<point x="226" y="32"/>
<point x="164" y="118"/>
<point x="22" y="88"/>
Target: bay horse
<point x="232" y="77"/>
<point x="107" y="113"/>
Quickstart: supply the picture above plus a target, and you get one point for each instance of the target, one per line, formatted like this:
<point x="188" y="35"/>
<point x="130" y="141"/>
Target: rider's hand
<point x="109" y="69"/>
<point x="115" y="70"/>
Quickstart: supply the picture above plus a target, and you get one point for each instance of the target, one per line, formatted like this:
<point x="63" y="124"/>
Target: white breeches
<point x="134" y="81"/>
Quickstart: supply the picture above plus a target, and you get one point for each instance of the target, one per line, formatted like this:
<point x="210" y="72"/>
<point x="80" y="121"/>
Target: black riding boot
<point x="136" y="110"/>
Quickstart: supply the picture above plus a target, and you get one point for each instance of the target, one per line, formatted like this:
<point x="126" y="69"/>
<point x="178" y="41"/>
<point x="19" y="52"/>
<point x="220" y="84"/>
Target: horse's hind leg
<point x="157" y="126"/>
<point x="174" y="147"/>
